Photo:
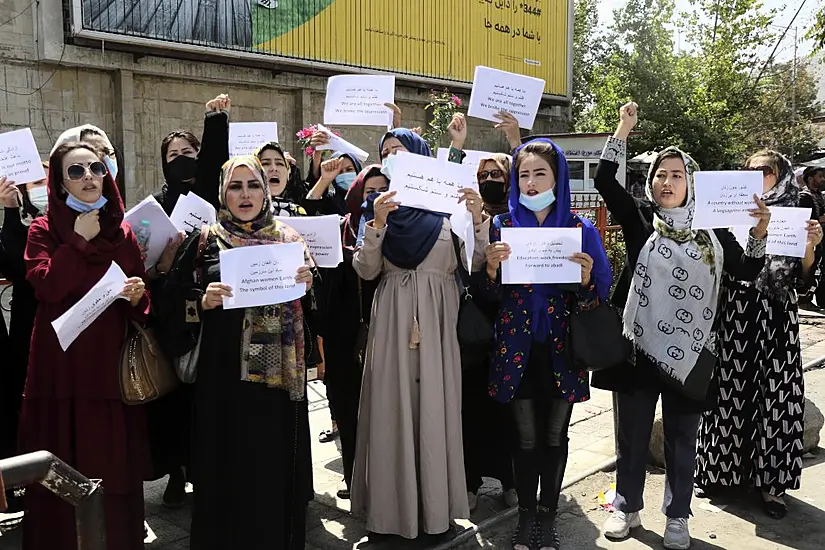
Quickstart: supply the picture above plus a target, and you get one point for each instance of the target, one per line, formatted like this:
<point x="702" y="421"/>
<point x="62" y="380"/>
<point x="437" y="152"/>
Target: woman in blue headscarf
<point x="409" y="464"/>
<point x="531" y="369"/>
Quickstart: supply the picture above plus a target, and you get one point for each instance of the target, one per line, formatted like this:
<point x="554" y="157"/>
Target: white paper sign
<point x="472" y="158"/>
<point x="19" y="159"/>
<point x="540" y="255"/>
<point x="78" y="317"/>
<point x="358" y="99"/>
<point x="246" y="137"/>
<point x="322" y="235"/>
<point x="430" y="184"/>
<point x="262" y="275"/>
<point x="191" y="212"/>
<point x="462" y="225"/>
<point x="787" y="232"/>
<point x="340" y="145"/>
<point x="161" y="228"/>
<point x="495" y="91"/>
<point x="725" y="199"/>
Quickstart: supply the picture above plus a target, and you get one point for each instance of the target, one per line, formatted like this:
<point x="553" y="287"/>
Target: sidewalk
<point x="330" y="527"/>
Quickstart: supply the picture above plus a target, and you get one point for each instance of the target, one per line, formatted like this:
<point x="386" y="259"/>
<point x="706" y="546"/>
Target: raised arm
<point x="618" y="199"/>
<point x="214" y="151"/>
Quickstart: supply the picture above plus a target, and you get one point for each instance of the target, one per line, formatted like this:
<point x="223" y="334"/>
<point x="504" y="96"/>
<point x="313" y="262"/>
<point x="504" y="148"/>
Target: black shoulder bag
<point x="595" y="339"/>
<point x="475" y="334"/>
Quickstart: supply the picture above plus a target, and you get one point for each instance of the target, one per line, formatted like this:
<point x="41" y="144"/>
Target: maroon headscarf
<point x="113" y="229"/>
<point x="355" y="201"/>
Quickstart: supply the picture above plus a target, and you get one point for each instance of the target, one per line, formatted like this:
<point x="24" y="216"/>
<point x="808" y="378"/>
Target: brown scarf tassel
<point x="415" y="337"/>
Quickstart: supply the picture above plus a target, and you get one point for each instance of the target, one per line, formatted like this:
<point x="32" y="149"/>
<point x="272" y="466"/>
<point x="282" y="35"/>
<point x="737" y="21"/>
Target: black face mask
<point x="182" y="168"/>
<point x="493" y="192"/>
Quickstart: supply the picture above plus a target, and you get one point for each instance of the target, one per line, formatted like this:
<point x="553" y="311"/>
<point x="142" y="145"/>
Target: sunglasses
<point x="485" y="175"/>
<point x="78" y="171"/>
<point x="766" y="170"/>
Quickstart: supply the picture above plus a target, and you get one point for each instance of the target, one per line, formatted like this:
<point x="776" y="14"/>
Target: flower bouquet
<point x="444" y="105"/>
<point x="305" y="138"/>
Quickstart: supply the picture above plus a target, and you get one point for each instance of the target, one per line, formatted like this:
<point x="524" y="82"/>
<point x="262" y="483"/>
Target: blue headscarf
<point x="411" y="233"/>
<point x="560" y="216"/>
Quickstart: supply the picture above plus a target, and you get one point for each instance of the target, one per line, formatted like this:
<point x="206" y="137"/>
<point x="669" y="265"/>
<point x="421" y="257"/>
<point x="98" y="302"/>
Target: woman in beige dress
<point x="409" y="463"/>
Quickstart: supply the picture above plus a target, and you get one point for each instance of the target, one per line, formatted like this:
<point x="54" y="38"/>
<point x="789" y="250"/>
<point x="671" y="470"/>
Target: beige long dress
<point x="409" y="463"/>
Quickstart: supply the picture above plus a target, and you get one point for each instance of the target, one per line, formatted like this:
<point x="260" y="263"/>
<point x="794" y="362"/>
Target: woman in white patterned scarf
<point x="669" y="291"/>
<point x="754" y="434"/>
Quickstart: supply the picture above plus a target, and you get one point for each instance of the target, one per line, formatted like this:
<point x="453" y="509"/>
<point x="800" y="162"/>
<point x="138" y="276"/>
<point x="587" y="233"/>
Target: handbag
<point x="595" y="339"/>
<point x="475" y="332"/>
<point x="145" y="373"/>
<point x="186" y="366"/>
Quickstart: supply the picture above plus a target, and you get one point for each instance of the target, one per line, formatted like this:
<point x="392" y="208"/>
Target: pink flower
<point x="309" y="151"/>
<point x="456" y="100"/>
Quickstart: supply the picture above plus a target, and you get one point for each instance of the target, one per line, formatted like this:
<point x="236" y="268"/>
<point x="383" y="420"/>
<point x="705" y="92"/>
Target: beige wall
<point x="138" y="100"/>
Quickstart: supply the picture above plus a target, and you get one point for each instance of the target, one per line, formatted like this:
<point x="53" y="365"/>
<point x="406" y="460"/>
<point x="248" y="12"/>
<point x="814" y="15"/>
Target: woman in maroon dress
<point x="72" y="405"/>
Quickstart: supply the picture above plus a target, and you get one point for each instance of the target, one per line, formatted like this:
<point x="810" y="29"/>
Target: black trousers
<point x="636" y="412"/>
<point x="542" y="418"/>
<point x="343" y="382"/>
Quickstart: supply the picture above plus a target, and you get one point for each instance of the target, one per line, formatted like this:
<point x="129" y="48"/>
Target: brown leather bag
<point x="145" y="373"/>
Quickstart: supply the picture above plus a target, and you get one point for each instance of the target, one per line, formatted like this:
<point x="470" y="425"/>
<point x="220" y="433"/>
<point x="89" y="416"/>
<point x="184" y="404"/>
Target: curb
<point x="470" y="532"/>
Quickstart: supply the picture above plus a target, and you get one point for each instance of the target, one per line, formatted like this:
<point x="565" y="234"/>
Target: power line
<point x="782" y="37"/>
<point x="21" y="12"/>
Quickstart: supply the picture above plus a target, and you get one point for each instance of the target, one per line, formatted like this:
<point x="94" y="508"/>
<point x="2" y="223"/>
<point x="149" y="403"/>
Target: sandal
<point x="546" y="534"/>
<point x="522" y="536"/>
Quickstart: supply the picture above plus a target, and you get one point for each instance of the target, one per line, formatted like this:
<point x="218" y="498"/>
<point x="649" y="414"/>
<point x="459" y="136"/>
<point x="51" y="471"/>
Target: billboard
<point x="441" y="40"/>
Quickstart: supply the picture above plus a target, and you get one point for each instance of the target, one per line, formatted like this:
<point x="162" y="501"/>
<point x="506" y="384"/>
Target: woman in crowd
<point x="531" y="368"/>
<point x="328" y="195"/>
<point x="278" y="170"/>
<point x="345" y="301"/>
<point x="250" y="398"/>
<point x="480" y="415"/>
<point x="187" y="166"/>
<point x="72" y="405"/>
<point x="21" y="205"/>
<point x="754" y="433"/>
<point x="409" y="468"/>
<point x="98" y="139"/>
<point x="669" y="289"/>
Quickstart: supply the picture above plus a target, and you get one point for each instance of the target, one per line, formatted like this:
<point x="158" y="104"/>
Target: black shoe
<point x="328" y="436"/>
<point x="546" y="534"/>
<point x="343" y="494"/>
<point x="523" y="535"/>
<point x="774" y="509"/>
<point x="175" y="494"/>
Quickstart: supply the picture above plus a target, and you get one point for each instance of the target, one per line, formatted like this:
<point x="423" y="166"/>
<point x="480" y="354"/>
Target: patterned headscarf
<point x="272" y="339"/>
<point x="778" y="278"/>
<point x="674" y="294"/>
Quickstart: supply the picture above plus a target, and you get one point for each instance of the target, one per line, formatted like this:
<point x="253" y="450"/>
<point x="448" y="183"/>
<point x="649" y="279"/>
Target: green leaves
<point x="708" y="98"/>
<point x="443" y="105"/>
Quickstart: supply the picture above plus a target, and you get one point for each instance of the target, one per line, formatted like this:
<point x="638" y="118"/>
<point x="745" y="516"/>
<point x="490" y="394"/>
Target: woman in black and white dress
<point x="754" y="435"/>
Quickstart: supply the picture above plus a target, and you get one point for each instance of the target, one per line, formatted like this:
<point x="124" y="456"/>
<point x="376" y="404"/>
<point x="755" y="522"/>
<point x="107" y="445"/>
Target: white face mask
<point x="39" y="197"/>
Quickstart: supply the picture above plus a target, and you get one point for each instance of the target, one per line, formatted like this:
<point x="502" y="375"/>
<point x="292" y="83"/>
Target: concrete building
<point x="49" y="82"/>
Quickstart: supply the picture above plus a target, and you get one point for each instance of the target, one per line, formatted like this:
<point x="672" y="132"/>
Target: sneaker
<point x="472" y="500"/>
<point x="677" y="535"/>
<point x="511" y="498"/>
<point x="618" y="526"/>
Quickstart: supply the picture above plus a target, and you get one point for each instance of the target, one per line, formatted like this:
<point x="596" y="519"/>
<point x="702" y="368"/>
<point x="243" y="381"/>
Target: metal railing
<point x="86" y="495"/>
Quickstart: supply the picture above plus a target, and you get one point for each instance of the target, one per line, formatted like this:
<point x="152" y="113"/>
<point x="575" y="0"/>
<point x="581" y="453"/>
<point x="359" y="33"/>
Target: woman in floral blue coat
<point x="530" y="369"/>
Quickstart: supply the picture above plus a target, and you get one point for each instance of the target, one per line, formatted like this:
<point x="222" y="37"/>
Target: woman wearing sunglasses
<point x="754" y="434"/>
<point x="72" y="405"/>
<point x="481" y="415"/>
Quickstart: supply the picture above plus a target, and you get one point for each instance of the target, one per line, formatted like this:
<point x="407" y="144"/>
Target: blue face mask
<point x="539" y="202"/>
<point x="111" y="165"/>
<point x="344" y="181"/>
<point x="79" y="206"/>
<point x="386" y="166"/>
<point x="367" y="207"/>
